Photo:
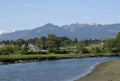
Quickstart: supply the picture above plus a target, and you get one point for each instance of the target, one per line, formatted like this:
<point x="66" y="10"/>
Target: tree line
<point x="59" y="45"/>
<point x="51" y="43"/>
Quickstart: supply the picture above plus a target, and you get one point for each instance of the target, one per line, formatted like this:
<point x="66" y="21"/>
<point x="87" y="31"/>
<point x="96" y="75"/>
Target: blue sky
<point x="29" y="14"/>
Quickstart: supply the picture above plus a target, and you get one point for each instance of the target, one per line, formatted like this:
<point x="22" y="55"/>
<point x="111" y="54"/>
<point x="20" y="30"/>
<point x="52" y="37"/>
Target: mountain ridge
<point x="72" y="31"/>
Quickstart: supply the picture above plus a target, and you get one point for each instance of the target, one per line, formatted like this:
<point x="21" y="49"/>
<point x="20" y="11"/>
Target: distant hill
<point x="79" y="31"/>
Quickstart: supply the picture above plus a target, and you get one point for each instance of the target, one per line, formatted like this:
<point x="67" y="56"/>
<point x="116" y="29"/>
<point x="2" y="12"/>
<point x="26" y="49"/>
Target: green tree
<point x="20" y="42"/>
<point x="110" y="45"/>
<point x="5" y="50"/>
<point x="118" y="42"/>
<point x="97" y="50"/>
<point x="16" y="49"/>
<point x="75" y="40"/>
<point x="53" y="43"/>
<point x="31" y="41"/>
<point x="38" y="43"/>
<point x="43" y="42"/>
<point x="80" y="47"/>
<point x="24" y="49"/>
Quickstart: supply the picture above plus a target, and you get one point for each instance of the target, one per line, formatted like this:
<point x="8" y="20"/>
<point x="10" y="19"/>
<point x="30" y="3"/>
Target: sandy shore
<point x="108" y="71"/>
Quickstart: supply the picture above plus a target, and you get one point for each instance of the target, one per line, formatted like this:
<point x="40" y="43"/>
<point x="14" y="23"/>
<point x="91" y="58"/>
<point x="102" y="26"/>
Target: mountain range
<point x="80" y="31"/>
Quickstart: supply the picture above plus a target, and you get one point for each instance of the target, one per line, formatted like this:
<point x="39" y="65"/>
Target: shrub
<point x="61" y="52"/>
<point x="85" y="50"/>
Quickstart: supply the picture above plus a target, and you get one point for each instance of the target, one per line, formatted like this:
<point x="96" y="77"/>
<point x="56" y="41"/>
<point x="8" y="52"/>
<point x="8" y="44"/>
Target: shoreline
<point x="13" y="59"/>
<point x="105" y="71"/>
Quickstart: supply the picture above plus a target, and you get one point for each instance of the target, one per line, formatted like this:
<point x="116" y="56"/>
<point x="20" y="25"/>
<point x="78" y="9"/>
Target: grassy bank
<point x="18" y="58"/>
<point x="108" y="71"/>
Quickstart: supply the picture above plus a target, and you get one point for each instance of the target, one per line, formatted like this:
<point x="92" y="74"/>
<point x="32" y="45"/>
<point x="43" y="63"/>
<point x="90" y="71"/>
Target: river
<point x="57" y="70"/>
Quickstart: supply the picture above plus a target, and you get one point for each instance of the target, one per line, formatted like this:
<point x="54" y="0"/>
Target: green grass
<point x="16" y="58"/>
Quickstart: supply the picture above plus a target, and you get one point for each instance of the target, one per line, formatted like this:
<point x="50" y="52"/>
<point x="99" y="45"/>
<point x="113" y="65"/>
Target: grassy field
<point x="108" y="71"/>
<point x="16" y="58"/>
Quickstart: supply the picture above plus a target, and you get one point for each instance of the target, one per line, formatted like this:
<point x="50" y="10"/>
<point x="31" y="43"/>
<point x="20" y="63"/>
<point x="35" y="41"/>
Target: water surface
<point x="57" y="70"/>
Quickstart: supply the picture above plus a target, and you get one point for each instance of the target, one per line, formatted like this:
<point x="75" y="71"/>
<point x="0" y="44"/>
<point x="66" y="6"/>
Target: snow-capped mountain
<point x="80" y="31"/>
<point x="6" y="31"/>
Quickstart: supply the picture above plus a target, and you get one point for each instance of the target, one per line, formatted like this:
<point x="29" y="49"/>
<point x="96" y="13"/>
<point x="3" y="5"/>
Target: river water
<point x="57" y="70"/>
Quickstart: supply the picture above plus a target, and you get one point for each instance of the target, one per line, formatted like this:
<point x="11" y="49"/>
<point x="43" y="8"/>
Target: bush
<point x="5" y="50"/>
<point x="23" y="52"/>
<point x="114" y="50"/>
<point x="97" y="50"/>
<point x="85" y="50"/>
<point x="61" y="52"/>
<point x="34" y="52"/>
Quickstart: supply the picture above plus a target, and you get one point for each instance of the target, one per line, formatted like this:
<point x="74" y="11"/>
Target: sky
<point x="29" y="14"/>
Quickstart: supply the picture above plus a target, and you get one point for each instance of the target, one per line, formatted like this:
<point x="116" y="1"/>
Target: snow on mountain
<point x="6" y="31"/>
<point x="81" y="31"/>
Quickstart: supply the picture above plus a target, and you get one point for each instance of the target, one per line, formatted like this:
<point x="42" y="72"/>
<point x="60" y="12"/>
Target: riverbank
<point x="108" y="71"/>
<point x="19" y="58"/>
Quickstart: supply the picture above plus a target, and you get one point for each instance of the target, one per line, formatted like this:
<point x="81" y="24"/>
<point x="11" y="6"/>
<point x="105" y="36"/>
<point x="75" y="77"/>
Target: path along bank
<point x="107" y="71"/>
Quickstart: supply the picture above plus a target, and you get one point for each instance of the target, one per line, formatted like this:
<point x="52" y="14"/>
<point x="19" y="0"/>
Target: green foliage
<point x="60" y="45"/>
<point x="5" y="50"/>
<point x="24" y="49"/>
<point x="20" y="42"/>
<point x="53" y="43"/>
<point x="113" y="45"/>
<point x="85" y="51"/>
<point x="118" y="42"/>
<point x="80" y="46"/>
<point x="36" y="52"/>
<point x="110" y="45"/>
<point x="16" y="49"/>
<point x="38" y="43"/>
<point x="61" y="52"/>
<point x="16" y="58"/>
<point x="97" y="50"/>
